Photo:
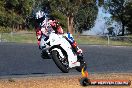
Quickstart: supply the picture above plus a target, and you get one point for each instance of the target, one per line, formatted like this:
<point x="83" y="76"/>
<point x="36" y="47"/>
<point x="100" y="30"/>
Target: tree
<point x="85" y="17"/>
<point x="69" y="8"/>
<point x="17" y="12"/>
<point x="111" y="31"/>
<point x="118" y="10"/>
<point x="128" y="16"/>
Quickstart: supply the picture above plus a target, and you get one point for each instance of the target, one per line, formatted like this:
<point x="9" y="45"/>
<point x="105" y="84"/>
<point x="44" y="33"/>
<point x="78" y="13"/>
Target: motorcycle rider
<point x="58" y="29"/>
<point x="44" y="26"/>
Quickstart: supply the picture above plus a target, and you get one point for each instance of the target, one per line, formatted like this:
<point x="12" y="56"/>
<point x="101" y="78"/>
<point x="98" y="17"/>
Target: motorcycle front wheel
<point x="62" y="63"/>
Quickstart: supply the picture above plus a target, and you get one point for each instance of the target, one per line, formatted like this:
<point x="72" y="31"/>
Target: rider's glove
<point x="79" y="51"/>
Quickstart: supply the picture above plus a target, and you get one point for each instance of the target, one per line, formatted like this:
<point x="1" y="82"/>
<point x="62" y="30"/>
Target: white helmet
<point x="40" y="14"/>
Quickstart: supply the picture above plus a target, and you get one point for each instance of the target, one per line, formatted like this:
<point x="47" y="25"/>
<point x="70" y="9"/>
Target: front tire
<point x="85" y="81"/>
<point x="56" y="58"/>
<point x="82" y="64"/>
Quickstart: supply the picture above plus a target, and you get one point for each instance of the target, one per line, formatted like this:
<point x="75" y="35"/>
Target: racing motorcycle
<point x="60" y="50"/>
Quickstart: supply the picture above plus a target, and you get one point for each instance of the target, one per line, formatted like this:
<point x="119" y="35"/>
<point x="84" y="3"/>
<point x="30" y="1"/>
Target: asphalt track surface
<point x="24" y="59"/>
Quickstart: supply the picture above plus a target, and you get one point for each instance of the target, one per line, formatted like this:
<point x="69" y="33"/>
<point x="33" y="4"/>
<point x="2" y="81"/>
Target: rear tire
<point x="55" y="57"/>
<point x="85" y="81"/>
<point x="83" y="65"/>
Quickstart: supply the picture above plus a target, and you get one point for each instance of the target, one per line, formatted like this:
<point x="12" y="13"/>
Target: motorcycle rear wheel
<point x="83" y="65"/>
<point x="85" y="81"/>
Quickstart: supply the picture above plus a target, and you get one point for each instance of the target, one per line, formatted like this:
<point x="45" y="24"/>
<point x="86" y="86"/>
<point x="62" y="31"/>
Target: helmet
<point x="39" y="14"/>
<point x="39" y="17"/>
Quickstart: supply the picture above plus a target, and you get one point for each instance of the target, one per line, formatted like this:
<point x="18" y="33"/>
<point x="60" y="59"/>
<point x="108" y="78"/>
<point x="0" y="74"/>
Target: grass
<point x="90" y="40"/>
<point x="100" y="41"/>
<point x="31" y="38"/>
<point x="21" y="38"/>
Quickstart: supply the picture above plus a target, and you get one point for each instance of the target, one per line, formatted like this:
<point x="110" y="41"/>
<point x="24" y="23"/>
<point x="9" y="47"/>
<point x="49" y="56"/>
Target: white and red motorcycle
<point x="62" y="53"/>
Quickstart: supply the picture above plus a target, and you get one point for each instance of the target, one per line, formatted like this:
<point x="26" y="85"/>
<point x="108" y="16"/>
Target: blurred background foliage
<point x="74" y="15"/>
<point x="18" y="14"/>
